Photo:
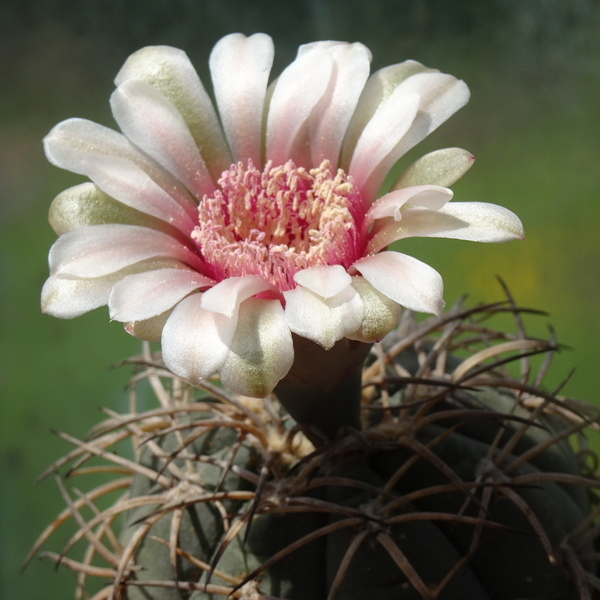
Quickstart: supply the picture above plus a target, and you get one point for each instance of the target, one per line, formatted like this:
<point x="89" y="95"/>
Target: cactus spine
<point x="463" y="482"/>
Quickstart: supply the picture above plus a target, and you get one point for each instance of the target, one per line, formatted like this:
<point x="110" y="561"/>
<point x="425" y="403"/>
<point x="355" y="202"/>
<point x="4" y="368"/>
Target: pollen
<point x="278" y="221"/>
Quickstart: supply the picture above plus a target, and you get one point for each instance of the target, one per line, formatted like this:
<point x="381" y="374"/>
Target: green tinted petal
<point x="442" y="167"/>
<point x="148" y="329"/>
<point x="261" y="352"/>
<point x="170" y="71"/>
<point x="381" y="314"/>
<point x="85" y="205"/>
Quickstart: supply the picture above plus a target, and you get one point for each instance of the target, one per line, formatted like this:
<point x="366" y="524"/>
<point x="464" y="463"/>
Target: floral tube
<point x="223" y="232"/>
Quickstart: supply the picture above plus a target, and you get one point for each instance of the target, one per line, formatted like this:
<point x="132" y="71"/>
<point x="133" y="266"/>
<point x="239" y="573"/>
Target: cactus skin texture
<point x="464" y="482"/>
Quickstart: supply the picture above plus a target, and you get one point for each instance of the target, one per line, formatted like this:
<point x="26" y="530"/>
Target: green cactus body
<point x="432" y="544"/>
<point x="459" y="485"/>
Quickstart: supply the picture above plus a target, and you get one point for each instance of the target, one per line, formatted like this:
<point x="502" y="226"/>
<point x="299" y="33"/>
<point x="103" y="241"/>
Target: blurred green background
<point x="533" y="123"/>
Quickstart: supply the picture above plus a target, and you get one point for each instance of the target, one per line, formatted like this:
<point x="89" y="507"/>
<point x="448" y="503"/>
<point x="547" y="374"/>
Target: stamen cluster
<point x="279" y="221"/>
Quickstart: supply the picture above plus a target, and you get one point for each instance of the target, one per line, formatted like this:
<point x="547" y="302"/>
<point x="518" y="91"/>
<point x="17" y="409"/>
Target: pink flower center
<point x="281" y="220"/>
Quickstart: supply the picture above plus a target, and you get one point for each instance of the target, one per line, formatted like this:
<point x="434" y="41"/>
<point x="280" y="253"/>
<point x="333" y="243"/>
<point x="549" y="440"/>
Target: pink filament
<point x="281" y="220"/>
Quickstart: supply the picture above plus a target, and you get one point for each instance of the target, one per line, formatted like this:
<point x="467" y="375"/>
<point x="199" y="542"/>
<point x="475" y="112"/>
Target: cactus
<point x="464" y="481"/>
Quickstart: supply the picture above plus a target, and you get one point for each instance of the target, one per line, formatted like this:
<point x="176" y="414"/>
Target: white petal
<point x="417" y="222"/>
<point x="440" y="167"/>
<point x="145" y="295"/>
<point x="428" y="196"/>
<point x="326" y="281"/>
<point x="103" y="249"/>
<point x="170" y="71"/>
<point x="405" y="280"/>
<point x="153" y="124"/>
<point x="319" y="45"/>
<point x="323" y="321"/>
<point x="440" y="96"/>
<point x="382" y="134"/>
<point x="377" y="90"/>
<point x="71" y="142"/>
<point x="195" y="342"/>
<point x="124" y="181"/>
<point x="486" y="222"/>
<point x="261" y="351"/>
<point x="296" y="93"/>
<point x="70" y="298"/>
<point x="471" y="221"/>
<point x="329" y="119"/>
<point x="240" y="68"/>
<point x="67" y="297"/>
<point x="226" y="296"/>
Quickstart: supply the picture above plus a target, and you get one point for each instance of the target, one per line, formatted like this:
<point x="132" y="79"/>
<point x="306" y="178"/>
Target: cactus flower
<point x="222" y="232"/>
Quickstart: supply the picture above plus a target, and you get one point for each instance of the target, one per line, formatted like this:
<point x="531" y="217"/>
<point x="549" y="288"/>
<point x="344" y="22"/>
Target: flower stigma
<point x="279" y="221"/>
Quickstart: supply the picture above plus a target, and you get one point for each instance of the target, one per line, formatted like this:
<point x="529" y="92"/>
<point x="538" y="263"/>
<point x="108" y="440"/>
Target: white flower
<point x="225" y="236"/>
